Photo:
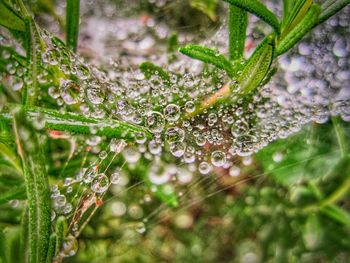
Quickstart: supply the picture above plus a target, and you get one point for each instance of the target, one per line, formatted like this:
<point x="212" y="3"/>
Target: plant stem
<point x="338" y="193"/>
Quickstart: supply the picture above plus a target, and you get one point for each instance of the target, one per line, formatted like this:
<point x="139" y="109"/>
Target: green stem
<point x="338" y="194"/>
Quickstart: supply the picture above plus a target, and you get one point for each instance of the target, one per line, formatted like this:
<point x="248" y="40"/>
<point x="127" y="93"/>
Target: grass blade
<point x="209" y="56"/>
<point x="257" y="66"/>
<point x="61" y="232"/>
<point x="38" y="192"/>
<point x="257" y="8"/>
<point x="72" y="23"/>
<point x="238" y="21"/>
<point x="299" y="31"/>
<point x="10" y="19"/>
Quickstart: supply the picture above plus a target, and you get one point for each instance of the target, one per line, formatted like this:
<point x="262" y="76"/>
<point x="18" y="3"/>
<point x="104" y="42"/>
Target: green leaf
<point x="37" y="185"/>
<point x="257" y="8"/>
<point x="208" y="7"/>
<point x="329" y="8"/>
<point x="14" y="193"/>
<point x="298" y="12"/>
<point x="149" y="70"/>
<point x="31" y="92"/>
<point x="208" y="55"/>
<point x="61" y="232"/>
<point x="75" y="123"/>
<point x="173" y="43"/>
<point x="258" y="65"/>
<point x="299" y="31"/>
<point x="336" y="213"/>
<point x="72" y="23"/>
<point x="309" y="155"/>
<point x="238" y="21"/>
<point x="287" y="7"/>
<point x="51" y="249"/>
<point x="3" y="257"/>
<point x="10" y="19"/>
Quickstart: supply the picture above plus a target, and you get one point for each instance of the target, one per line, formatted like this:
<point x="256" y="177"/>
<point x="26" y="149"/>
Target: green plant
<point x="31" y="121"/>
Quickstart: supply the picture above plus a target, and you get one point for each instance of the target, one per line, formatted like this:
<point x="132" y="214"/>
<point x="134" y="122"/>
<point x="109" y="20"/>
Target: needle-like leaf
<point x="238" y="21"/>
<point x="299" y="31"/>
<point x="329" y="8"/>
<point x="257" y="8"/>
<point x="75" y="123"/>
<point x="72" y="23"/>
<point x="9" y="18"/>
<point x="258" y="65"/>
<point x="208" y="55"/>
<point x="149" y="70"/>
<point x="38" y="191"/>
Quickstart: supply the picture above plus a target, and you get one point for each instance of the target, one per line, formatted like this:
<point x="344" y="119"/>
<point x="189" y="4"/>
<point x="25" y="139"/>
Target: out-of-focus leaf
<point x="14" y="193"/>
<point x="336" y="213"/>
<point x="312" y="233"/>
<point x="208" y="7"/>
<point x="9" y="18"/>
<point x="3" y="258"/>
<point x="307" y="155"/>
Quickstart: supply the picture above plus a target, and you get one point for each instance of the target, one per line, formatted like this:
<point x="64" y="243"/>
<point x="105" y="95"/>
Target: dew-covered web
<point x="190" y="156"/>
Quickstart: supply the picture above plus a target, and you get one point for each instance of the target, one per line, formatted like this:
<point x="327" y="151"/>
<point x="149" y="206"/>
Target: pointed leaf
<point x="329" y="8"/>
<point x="208" y="55"/>
<point x="257" y="8"/>
<point x="298" y="12"/>
<point x="149" y="70"/>
<point x="72" y="23"/>
<point x="238" y="21"/>
<point x="38" y="191"/>
<point x="75" y="123"/>
<point x="208" y="7"/>
<point x="61" y="232"/>
<point x="299" y="31"/>
<point x="258" y="65"/>
<point x="9" y="18"/>
<point x="51" y="249"/>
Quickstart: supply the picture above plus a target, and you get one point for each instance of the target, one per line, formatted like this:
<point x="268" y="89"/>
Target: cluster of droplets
<point x="311" y="85"/>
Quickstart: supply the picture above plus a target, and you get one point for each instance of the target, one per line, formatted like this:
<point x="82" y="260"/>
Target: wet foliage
<point x="174" y="131"/>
